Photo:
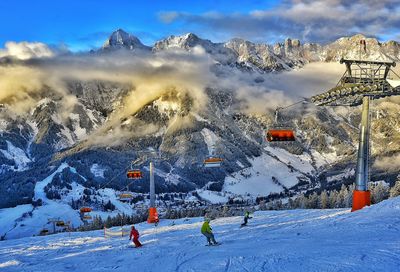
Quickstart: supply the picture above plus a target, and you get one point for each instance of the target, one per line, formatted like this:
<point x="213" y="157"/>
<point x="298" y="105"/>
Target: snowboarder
<point x="246" y="218"/>
<point x="135" y="235"/>
<point x="206" y="230"/>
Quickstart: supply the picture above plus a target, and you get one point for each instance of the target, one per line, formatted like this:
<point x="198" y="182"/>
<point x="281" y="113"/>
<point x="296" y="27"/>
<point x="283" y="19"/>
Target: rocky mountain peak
<point x="186" y="41"/>
<point x="121" y="39"/>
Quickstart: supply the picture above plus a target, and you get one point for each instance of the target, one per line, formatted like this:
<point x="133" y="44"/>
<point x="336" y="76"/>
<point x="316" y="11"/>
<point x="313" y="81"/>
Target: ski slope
<point x="293" y="240"/>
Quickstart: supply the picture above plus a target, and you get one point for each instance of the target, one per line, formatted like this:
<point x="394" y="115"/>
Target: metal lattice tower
<point x="363" y="80"/>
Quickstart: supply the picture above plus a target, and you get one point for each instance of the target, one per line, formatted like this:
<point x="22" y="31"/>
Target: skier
<point x="206" y="230"/>
<point x="246" y="218"/>
<point x="135" y="235"/>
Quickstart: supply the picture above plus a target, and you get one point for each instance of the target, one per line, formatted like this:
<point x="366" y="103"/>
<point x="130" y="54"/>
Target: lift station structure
<point x="362" y="81"/>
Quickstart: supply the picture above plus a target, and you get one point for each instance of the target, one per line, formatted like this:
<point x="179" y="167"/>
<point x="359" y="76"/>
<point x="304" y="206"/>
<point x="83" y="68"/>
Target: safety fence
<point x="120" y="232"/>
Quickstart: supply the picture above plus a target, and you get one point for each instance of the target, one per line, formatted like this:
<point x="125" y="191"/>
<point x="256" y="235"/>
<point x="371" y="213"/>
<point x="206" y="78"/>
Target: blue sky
<point x="82" y="25"/>
<point x="86" y="24"/>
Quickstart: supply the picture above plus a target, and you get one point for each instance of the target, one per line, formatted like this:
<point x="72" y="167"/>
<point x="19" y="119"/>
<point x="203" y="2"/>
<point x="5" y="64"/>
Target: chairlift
<point x="280" y="133"/>
<point x="60" y="224"/>
<point x="210" y="162"/>
<point x="85" y="209"/>
<point x="125" y="196"/>
<point x="87" y="217"/>
<point x="134" y="174"/>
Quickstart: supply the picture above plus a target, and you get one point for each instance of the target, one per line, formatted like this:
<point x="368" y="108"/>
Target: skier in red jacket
<point x="135" y="235"/>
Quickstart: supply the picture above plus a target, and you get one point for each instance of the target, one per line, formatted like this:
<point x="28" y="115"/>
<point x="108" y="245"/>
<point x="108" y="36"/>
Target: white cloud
<point x="391" y="163"/>
<point x="26" y="50"/>
<point x="315" y="21"/>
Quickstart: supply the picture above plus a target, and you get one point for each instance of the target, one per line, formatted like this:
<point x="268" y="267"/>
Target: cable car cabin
<point x="60" y="224"/>
<point x="134" y="174"/>
<point x="212" y="162"/>
<point x="280" y="135"/>
<point x="85" y="209"/>
<point x="125" y="196"/>
<point x="87" y="217"/>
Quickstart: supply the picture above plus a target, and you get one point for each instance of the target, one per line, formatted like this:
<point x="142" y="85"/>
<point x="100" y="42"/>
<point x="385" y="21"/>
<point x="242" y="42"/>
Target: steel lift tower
<point x="362" y="81"/>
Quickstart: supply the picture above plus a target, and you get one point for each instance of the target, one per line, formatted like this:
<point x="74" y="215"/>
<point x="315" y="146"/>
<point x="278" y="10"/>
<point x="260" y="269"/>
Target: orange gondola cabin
<point x="280" y="135"/>
<point x="134" y="174"/>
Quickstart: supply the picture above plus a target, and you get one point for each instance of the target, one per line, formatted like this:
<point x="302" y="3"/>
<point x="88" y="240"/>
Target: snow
<point x="212" y="197"/>
<point x="348" y="172"/>
<point x="303" y="162"/>
<point x="17" y="155"/>
<point x="240" y="164"/>
<point x="39" y="187"/>
<point x="167" y="107"/>
<point x="97" y="170"/>
<point x="257" y="180"/>
<point x="324" y="159"/>
<point x="210" y="138"/>
<point x="292" y="240"/>
<point x="199" y="118"/>
<point x="31" y="225"/>
<point x="67" y="139"/>
<point x="3" y="125"/>
<point x="109" y="194"/>
<point x="10" y="216"/>
<point x="79" y="132"/>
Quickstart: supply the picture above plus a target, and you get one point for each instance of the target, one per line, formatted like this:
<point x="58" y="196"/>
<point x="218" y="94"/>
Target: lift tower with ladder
<point x="363" y="80"/>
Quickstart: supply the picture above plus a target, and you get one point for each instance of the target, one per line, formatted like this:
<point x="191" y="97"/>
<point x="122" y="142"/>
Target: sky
<point x="83" y="25"/>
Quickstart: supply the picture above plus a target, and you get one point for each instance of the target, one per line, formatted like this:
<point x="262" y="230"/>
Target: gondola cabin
<point x="212" y="162"/>
<point x="280" y="135"/>
<point x="85" y="209"/>
<point x="125" y="196"/>
<point x="134" y="174"/>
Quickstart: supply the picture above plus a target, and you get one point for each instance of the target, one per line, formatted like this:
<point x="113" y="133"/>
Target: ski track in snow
<point x="292" y="240"/>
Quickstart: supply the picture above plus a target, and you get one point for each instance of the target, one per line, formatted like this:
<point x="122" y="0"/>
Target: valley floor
<point x="293" y="240"/>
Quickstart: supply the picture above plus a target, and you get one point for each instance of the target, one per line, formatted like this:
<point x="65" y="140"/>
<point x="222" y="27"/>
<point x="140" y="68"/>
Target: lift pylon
<point x="363" y="80"/>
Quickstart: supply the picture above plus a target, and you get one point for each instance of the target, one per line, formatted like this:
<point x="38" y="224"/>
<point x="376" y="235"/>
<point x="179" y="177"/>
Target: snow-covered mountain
<point x="121" y="39"/>
<point x="33" y="147"/>
<point x="293" y="240"/>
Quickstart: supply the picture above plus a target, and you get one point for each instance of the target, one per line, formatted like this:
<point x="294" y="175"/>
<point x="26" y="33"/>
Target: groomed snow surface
<point x="293" y="240"/>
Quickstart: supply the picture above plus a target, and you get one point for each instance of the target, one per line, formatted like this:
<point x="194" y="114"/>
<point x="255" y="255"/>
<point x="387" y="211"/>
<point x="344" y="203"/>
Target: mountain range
<point x="36" y="144"/>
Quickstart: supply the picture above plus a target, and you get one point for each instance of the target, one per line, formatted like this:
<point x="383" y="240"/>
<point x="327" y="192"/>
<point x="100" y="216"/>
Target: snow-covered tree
<point x="312" y="202"/>
<point x="324" y="200"/>
<point x="395" y="190"/>
<point x="379" y="192"/>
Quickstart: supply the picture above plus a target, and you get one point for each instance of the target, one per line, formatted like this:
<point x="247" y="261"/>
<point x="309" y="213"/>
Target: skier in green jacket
<point x="206" y="230"/>
<point x="246" y="218"/>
